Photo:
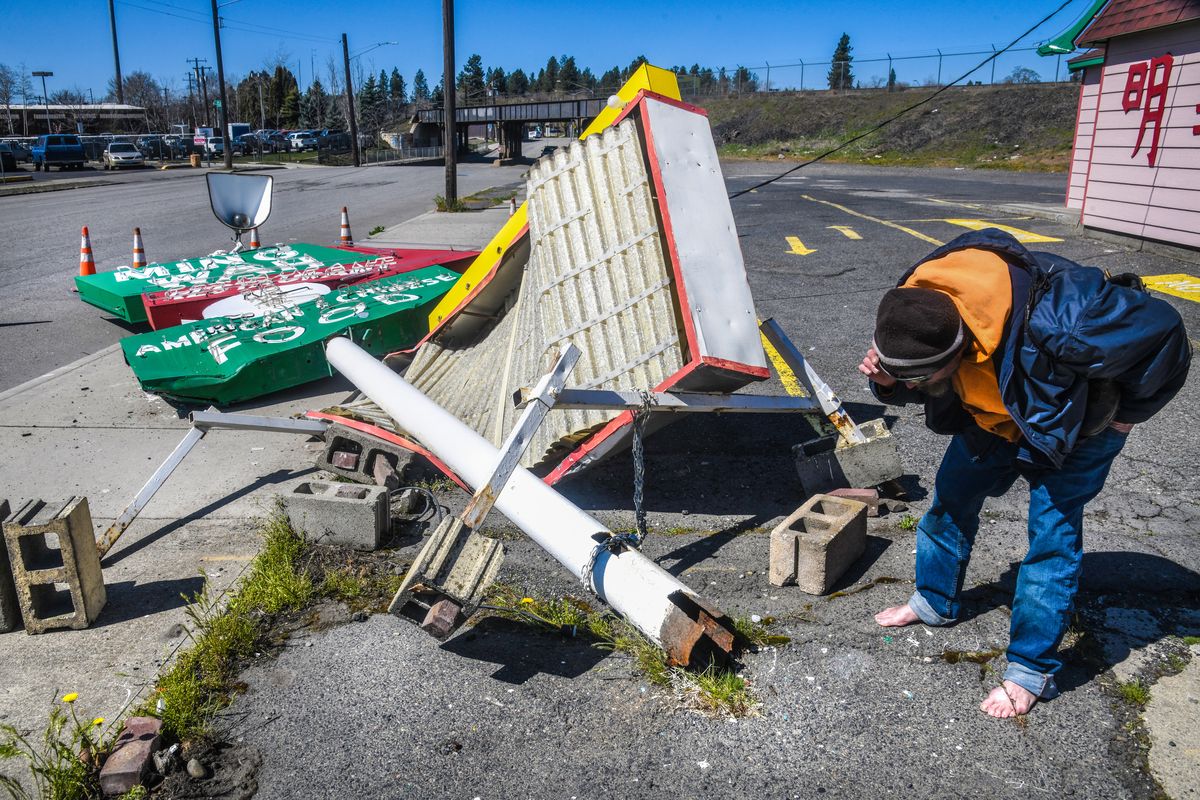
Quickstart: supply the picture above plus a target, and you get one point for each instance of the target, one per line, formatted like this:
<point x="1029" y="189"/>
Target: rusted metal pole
<point x="693" y="632"/>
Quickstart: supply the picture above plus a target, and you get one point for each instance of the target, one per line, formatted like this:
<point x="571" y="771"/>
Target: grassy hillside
<point x="1004" y="127"/>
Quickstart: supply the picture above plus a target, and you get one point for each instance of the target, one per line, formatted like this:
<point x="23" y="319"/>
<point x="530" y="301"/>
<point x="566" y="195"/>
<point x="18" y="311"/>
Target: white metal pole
<point x="649" y="597"/>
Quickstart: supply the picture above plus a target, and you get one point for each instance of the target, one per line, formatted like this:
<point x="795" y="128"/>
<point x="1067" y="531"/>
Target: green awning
<point x="1065" y="42"/>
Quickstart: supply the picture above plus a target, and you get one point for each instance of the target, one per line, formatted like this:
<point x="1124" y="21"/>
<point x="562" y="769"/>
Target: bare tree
<point x="8" y="90"/>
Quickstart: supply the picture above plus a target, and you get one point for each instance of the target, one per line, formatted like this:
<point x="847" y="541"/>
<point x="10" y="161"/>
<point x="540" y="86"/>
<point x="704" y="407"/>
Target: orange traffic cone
<point x="87" y="264"/>
<point x="254" y="243"/>
<point x="139" y="252"/>
<point x="347" y="238"/>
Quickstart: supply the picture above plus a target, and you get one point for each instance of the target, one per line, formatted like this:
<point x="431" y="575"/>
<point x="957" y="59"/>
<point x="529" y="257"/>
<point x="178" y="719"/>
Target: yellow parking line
<point x="860" y="215"/>
<point x="796" y="247"/>
<point x="1178" y="284"/>
<point x="846" y="231"/>
<point x="1025" y="237"/>
<point x="791" y="384"/>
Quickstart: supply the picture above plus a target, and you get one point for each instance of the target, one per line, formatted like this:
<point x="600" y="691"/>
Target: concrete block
<point x="360" y="457"/>
<point x="868" y="497"/>
<point x="831" y="463"/>
<point x="442" y="618"/>
<point x="817" y="544"/>
<point x="132" y="754"/>
<point x="55" y="566"/>
<point x="10" y="609"/>
<point x="339" y="513"/>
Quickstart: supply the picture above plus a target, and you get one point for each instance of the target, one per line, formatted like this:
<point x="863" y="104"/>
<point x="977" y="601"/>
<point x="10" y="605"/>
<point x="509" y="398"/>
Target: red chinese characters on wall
<point x="1146" y="89"/>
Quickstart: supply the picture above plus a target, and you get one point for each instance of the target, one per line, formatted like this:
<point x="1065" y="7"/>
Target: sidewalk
<point x="88" y="429"/>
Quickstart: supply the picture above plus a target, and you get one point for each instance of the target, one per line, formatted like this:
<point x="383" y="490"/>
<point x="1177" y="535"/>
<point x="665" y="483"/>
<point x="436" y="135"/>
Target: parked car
<point x="215" y="145"/>
<point x="121" y="154"/>
<point x="278" y="143"/>
<point x="153" y="147"/>
<point x="302" y="140"/>
<point x="20" y="152"/>
<point x="8" y="161"/>
<point x="63" y="150"/>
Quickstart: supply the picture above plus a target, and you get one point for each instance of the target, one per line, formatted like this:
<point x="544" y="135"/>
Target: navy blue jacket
<point x="1069" y="325"/>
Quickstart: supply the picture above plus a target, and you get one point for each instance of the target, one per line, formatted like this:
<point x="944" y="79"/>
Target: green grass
<point x="453" y="206"/>
<point x="64" y="760"/>
<point x="908" y="523"/>
<point x="202" y="680"/>
<point x="758" y="633"/>
<point x="1135" y="692"/>
<point x="715" y="690"/>
<point x="1191" y="640"/>
<point x="376" y="229"/>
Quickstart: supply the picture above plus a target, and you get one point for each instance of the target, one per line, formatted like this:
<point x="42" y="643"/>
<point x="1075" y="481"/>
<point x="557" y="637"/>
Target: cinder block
<point x="831" y="462"/>
<point x="10" y="610"/>
<point x="339" y="513"/>
<point x="55" y="566"/>
<point x="363" y="458"/>
<point x="131" y="756"/>
<point x="817" y="544"/>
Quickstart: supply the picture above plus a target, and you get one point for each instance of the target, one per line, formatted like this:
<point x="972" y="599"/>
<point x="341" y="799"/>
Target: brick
<point x="10" y="609"/>
<point x="132" y="754"/>
<point x="442" y="618"/>
<point x="355" y="456"/>
<point x="831" y="463"/>
<point x="815" y="546"/>
<point x="55" y="565"/>
<point x="868" y="497"/>
<point x="339" y="513"/>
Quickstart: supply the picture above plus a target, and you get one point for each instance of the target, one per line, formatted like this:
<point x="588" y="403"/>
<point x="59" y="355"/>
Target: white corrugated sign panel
<point x="597" y="276"/>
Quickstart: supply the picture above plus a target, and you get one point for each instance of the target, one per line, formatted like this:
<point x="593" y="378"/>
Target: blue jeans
<point x="1049" y="575"/>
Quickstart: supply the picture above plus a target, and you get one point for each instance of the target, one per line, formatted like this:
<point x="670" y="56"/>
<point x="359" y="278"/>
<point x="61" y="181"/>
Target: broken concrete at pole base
<point x="815" y="546"/>
<point x="831" y="463"/>
<point x="339" y="513"/>
<point x="55" y="566"/>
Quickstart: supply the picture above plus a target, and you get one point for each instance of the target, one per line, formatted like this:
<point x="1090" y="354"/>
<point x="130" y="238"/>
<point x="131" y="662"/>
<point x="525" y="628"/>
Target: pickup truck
<point x="63" y="150"/>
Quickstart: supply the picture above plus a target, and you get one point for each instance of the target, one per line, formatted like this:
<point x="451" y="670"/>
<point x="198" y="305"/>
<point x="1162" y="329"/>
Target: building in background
<point x="1136" y="161"/>
<point x="31" y="119"/>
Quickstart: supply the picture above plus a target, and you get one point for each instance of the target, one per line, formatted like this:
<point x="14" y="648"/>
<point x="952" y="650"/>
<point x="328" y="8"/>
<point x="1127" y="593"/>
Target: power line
<point x="904" y="111"/>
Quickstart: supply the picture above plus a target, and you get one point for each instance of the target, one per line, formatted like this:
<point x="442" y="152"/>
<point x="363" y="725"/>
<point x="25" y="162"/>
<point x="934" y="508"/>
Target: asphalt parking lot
<point x="847" y="709"/>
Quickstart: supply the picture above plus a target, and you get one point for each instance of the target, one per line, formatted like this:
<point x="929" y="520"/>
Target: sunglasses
<point x="913" y="379"/>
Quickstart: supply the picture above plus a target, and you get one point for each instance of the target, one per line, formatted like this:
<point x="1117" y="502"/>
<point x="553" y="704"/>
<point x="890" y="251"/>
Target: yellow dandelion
<point x="98" y="721"/>
<point x="526" y="599"/>
<point x="70" y="698"/>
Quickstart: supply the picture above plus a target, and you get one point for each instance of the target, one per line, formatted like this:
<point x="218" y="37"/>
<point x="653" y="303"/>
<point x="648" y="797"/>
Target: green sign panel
<point x="120" y="291"/>
<point x="230" y="359"/>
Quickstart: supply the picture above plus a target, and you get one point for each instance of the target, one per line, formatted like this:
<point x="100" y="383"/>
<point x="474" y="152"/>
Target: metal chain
<point x="639" y="466"/>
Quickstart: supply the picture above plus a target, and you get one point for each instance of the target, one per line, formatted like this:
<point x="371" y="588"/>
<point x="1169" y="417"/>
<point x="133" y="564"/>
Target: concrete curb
<point x="54" y="373"/>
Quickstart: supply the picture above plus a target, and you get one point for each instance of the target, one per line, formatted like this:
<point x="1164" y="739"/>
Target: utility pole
<point x="350" y="105"/>
<point x="45" y="97"/>
<point x="262" y="109"/>
<point x="200" y="68"/>
<point x="450" y="141"/>
<point x="112" y="19"/>
<point x="222" y="115"/>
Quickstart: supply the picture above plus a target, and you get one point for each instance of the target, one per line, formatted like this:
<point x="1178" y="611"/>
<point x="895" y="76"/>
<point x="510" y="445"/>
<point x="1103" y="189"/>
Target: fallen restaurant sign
<point x="235" y="358"/>
<point x="167" y="294"/>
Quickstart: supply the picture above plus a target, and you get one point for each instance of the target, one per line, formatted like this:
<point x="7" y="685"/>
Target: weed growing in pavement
<point x="376" y="229"/>
<point x="1191" y="640"/>
<point x="359" y="588"/>
<point x="437" y="485"/>
<point x="757" y="633"/>
<point x="1134" y="691"/>
<point x="442" y="204"/>
<point x="201" y="681"/>
<point x="908" y="523"/>
<point x="65" y="763"/>
<point x="715" y="690"/>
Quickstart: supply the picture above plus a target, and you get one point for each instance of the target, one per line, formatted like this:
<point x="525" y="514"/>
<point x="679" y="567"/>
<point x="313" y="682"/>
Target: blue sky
<point x="71" y="37"/>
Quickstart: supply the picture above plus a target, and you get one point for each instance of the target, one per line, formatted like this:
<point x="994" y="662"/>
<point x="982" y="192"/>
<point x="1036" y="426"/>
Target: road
<point x="43" y="325"/>
<point x="848" y="710"/>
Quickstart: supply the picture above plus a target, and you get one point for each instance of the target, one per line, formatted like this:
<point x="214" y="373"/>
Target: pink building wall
<point x="1085" y="125"/>
<point x="1122" y="190"/>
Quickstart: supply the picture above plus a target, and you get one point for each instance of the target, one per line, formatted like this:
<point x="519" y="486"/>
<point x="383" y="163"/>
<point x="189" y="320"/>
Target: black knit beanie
<point x="917" y="332"/>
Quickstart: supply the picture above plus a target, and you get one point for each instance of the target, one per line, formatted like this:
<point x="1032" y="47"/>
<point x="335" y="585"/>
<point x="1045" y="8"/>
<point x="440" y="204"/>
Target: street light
<point x="45" y="97"/>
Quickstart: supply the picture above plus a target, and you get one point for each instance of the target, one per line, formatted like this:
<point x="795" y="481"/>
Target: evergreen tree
<point x="744" y="80"/>
<point x="420" y="87"/>
<point x="548" y="78"/>
<point x="335" y="113"/>
<point x="633" y="67"/>
<point x="611" y="81"/>
<point x="397" y="91"/>
<point x="289" y="111"/>
<point x="497" y="80"/>
<point x="891" y="84"/>
<point x="569" y="76"/>
<point x="437" y="96"/>
<point x="841" y="73"/>
<point x="470" y="84"/>
<point x="517" y="83"/>
<point x="314" y="106"/>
